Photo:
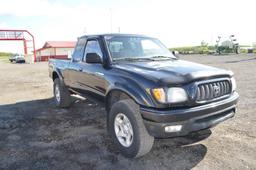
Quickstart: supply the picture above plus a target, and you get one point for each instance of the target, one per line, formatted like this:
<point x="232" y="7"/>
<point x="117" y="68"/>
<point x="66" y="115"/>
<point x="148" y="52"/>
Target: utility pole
<point x="110" y="10"/>
<point x="85" y="30"/>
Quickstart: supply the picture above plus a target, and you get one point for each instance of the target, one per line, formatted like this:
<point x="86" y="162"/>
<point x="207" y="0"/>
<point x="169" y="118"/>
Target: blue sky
<point x="174" y="22"/>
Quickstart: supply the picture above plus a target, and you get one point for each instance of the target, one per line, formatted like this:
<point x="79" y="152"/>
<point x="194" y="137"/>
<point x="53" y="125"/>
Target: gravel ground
<point x="34" y="134"/>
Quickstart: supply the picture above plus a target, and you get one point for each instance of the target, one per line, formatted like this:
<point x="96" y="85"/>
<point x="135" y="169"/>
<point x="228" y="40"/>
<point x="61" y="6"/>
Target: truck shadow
<point x="46" y="137"/>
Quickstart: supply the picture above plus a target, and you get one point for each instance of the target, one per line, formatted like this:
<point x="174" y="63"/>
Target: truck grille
<point x="212" y="90"/>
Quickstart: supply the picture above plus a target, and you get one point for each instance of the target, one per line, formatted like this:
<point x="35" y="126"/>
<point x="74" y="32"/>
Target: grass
<point x="4" y="56"/>
<point x="194" y="49"/>
<point x="202" y="49"/>
<point x="4" y="59"/>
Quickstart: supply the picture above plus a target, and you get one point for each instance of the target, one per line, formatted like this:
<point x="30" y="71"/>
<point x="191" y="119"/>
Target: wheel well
<point x="54" y="76"/>
<point x="115" y="96"/>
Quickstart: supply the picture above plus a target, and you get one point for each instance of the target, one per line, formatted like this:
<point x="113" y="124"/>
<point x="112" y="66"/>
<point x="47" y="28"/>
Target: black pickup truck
<point x="148" y="92"/>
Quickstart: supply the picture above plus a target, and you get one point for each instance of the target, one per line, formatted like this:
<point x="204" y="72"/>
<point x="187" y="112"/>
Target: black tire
<point x="142" y="142"/>
<point x="64" y="100"/>
<point x="237" y="50"/>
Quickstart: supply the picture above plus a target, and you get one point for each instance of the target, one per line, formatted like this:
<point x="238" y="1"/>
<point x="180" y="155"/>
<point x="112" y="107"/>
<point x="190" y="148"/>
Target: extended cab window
<point x="92" y="46"/>
<point x="78" y="53"/>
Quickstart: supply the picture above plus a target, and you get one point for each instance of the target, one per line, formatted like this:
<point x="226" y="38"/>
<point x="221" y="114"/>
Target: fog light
<point x="174" y="128"/>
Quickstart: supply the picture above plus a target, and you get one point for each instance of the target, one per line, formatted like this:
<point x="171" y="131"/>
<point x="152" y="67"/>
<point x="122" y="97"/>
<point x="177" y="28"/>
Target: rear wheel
<point x="61" y="94"/>
<point x="127" y="129"/>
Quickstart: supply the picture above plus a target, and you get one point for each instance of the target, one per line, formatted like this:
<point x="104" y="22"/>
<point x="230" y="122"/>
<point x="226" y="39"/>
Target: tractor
<point x="227" y="46"/>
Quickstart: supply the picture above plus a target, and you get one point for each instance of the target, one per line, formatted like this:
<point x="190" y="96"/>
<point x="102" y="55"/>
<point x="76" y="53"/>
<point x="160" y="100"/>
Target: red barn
<point x="55" y="49"/>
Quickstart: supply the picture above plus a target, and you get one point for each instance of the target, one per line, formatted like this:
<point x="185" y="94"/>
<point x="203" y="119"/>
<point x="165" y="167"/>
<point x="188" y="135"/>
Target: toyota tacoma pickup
<point x="148" y="91"/>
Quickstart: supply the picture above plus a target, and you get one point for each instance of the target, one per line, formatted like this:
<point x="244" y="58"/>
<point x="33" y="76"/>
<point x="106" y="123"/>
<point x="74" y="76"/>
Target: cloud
<point x="31" y="8"/>
<point x="3" y="25"/>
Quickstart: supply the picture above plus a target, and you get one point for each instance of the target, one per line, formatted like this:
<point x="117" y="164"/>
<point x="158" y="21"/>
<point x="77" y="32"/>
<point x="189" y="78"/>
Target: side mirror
<point x="93" y="58"/>
<point x="175" y="53"/>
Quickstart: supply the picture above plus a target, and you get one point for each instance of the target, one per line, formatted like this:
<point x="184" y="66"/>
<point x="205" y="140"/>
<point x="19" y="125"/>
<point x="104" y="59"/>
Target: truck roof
<point x="113" y="34"/>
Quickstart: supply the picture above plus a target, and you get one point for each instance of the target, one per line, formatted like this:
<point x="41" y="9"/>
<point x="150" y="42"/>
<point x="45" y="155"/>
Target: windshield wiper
<point x="163" y="57"/>
<point x="154" y="58"/>
<point x="132" y="58"/>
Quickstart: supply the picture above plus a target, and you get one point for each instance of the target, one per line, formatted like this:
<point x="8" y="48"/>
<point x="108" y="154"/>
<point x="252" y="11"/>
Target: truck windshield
<point x="132" y="47"/>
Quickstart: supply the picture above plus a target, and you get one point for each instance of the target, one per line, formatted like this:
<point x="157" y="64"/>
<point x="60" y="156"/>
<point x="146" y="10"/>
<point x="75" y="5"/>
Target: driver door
<point x="93" y="73"/>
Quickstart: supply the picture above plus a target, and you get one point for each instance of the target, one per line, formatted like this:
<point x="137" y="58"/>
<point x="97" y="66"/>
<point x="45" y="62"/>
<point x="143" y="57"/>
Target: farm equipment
<point x="227" y="46"/>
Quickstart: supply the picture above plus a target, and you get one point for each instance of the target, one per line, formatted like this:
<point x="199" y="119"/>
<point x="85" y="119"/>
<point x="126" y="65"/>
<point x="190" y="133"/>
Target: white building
<point x="55" y="49"/>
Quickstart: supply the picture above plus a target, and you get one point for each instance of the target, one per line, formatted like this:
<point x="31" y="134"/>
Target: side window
<point x="78" y="53"/>
<point x="92" y="46"/>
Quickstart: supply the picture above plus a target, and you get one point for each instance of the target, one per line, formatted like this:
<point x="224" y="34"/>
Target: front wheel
<point x="61" y="94"/>
<point x="127" y="129"/>
<point x="237" y="50"/>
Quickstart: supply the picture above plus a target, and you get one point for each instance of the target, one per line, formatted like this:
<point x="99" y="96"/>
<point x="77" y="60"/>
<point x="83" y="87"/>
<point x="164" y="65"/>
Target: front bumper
<point x="191" y="119"/>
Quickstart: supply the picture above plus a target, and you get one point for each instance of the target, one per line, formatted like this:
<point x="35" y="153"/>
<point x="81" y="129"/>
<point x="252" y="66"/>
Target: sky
<point x="175" y="22"/>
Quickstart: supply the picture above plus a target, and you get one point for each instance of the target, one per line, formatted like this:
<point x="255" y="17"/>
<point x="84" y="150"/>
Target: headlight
<point x="173" y="95"/>
<point x="233" y="81"/>
<point x="176" y="95"/>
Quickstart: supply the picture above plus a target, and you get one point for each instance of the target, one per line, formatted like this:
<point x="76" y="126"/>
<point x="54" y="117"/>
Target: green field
<point x="5" y="56"/>
<point x="202" y="50"/>
<point x="194" y="49"/>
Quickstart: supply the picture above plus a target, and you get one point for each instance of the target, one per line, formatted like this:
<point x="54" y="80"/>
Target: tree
<point x="203" y="49"/>
<point x="204" y="44"/>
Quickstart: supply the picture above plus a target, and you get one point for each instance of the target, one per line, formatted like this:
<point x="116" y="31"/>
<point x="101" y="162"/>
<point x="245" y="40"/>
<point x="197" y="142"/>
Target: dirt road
<point x="34" y="134"/>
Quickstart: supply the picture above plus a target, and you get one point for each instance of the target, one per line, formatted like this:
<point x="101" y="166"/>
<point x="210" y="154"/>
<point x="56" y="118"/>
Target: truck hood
<point x="172" y="71"/>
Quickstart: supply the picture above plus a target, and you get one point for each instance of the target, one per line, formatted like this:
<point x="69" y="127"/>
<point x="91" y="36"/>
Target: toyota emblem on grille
<point x="216" y="89"/>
